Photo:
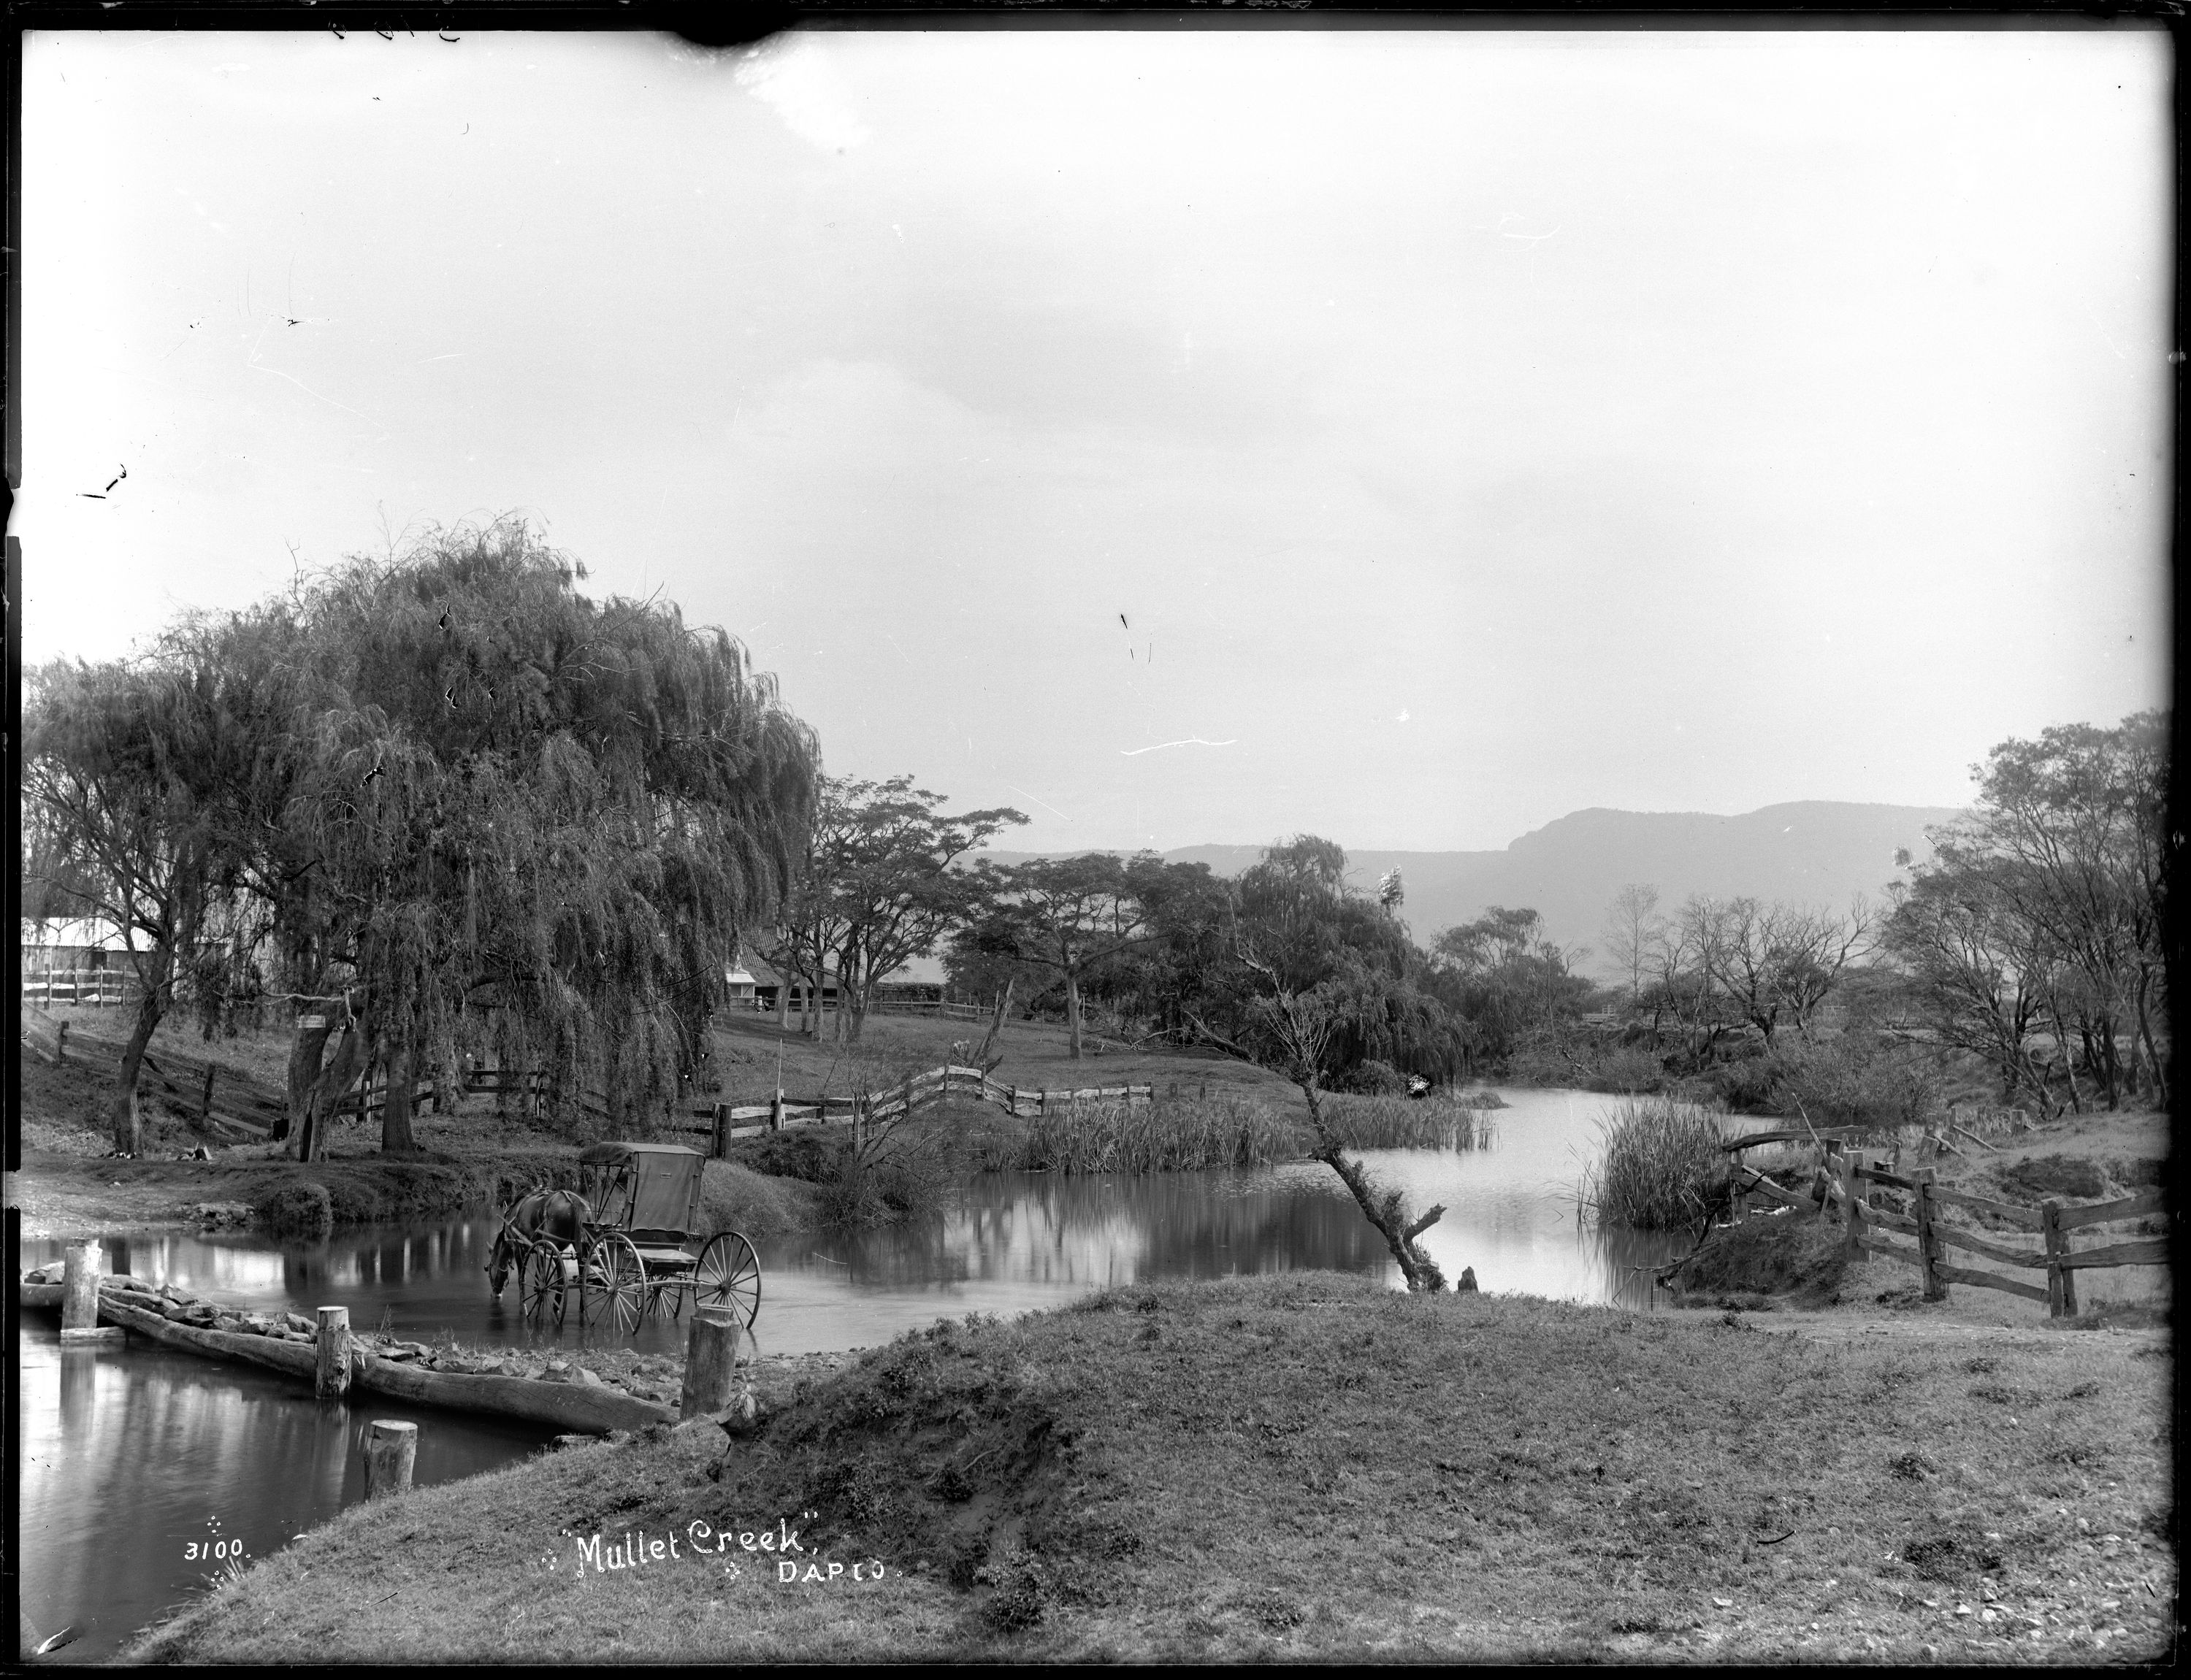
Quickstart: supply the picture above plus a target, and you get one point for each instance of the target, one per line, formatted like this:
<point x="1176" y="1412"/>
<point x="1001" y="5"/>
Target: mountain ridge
<point x="1814" y="852"/>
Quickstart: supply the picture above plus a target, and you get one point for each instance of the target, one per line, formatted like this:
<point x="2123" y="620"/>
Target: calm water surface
<point x="128" y="1456"/>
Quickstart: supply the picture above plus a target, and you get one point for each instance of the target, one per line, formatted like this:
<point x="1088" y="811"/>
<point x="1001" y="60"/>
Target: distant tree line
<point x="444" y="804"/>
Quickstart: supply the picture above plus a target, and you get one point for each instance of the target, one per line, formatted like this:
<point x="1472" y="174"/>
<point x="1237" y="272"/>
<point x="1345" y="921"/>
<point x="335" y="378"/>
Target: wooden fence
<point x="1846" y="1171"/>
<point x="46" y="1036"/>
<point x="252" y="1114"/>
<point x="98" y="987"/>
<point x="955" y="1011"/>
<point x="922" y="1090"/>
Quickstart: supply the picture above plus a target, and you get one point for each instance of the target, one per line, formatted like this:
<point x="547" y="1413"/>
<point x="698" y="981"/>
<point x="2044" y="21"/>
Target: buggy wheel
<point x="544" y="1283"/>
<point x="728" y="1275"/>
<point x="616" y="1283"/>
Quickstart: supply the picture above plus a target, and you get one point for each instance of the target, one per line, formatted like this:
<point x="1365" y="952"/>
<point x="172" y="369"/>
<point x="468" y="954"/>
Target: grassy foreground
<point x="1306" y="1467"/>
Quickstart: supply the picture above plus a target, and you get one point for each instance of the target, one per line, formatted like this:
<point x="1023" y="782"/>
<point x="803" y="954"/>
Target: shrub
<point x="809" y="1155"/>
<point x="302" y="1212"/>
<point x="1661" y="1164"/>
<point x="2055" y="1175"/>
<point x="1373" y="1078"/>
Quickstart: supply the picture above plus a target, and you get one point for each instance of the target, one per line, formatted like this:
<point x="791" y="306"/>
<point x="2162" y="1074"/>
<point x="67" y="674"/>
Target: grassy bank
<point x="67" y="1188"/>
<point x="1307" y="1467"/>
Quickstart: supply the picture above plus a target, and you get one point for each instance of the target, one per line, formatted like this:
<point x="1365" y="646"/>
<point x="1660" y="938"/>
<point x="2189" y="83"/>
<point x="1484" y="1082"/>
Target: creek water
<point x="130" y="1457"/>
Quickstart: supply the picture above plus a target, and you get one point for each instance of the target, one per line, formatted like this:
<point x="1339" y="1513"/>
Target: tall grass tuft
<point x="1440" y="1122"/>
<point x="1660" y="1165"/>
<point x="1231" y="1130"/>
<point x="1169" y="1137"/>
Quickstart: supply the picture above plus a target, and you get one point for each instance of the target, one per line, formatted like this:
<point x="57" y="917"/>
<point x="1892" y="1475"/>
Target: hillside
<point x="1813" y="852"/>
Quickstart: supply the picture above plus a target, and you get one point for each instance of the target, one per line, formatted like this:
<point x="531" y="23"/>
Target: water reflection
<point x="1010" y="1242"/>
<point x="127" y="1457"/>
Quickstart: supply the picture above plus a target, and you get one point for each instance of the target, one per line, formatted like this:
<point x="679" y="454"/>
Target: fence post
<point x="331" y="1376"/>
<point x="1852" y="1204"/>
<point x="722" y="1130"/>
<point x="1929" y="1246"/>
<point x="60" y="1043"/>
<point x="711" y="1360"/>
<point x="81" y="1266"/>
<point x="776" y="1112"/>
<point x="390" y="1449"/>
<point x="2061" y="1281"/>
<point x="205" y="1103"/>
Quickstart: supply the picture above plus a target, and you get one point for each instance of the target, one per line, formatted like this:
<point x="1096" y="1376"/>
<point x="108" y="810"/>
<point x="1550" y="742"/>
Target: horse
<point x="560" y="1214"/>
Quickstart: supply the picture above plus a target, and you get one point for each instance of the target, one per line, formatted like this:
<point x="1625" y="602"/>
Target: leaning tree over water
<point x="1326" y="979"/>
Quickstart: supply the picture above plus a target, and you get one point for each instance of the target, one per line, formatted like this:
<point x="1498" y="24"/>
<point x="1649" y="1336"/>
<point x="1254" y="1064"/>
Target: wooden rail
<point x="45" y="1035"/>
<point x="1848" y="1173"/>
<point x="97" y="987"/>
<point x="726" y="1121"/>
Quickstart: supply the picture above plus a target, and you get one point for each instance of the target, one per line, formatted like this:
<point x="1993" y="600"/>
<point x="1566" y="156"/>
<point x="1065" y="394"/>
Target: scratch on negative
<point x="1191" y="741"/>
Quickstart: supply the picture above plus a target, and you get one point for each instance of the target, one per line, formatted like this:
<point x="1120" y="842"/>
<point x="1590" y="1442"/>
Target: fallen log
<point x="576" y="1406"/>
<point x="292" y="1359"/>
<point x="573" y="1406"/>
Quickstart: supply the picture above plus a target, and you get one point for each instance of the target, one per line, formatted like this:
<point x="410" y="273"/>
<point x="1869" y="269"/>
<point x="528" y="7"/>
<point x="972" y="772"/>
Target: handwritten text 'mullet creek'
<point x="636" y="1550"/>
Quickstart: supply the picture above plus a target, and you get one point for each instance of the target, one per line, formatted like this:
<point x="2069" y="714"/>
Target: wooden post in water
<point x="391" y="1450"/>
<point x="2061" y="1281"/>
<point x="81" y="1265"/>
<point x="331" y="1377"/>
<point x="711" y="1359"/>
<point x="1929" y="1249"/>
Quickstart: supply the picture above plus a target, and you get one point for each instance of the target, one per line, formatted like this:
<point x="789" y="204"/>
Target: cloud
<point x="794" y="77"/>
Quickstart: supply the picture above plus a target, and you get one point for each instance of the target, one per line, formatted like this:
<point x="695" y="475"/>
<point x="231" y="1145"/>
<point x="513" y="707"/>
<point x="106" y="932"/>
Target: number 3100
<point x="213" y="1548"/>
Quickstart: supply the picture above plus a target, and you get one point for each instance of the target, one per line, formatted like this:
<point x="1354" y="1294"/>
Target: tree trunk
<point x="306" y="1051"/>
<point x="395" y="1139"/>
<point x="1072" y="1014"/>
<point x="1388" y="1216"/>
<point x="996" y="1025"/>
<point x="128" y="1133"/>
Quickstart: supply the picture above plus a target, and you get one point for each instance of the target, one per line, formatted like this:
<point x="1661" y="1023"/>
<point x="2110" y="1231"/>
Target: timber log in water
<point x="576" y="1406"/>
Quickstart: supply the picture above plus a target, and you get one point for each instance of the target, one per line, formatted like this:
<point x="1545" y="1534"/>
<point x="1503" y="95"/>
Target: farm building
<point x="80" y="942"/>
<point x="756" y="985"/>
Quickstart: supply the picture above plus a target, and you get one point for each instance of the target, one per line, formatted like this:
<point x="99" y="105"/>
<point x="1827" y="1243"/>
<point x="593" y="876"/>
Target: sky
<point x="1183" y="438"/>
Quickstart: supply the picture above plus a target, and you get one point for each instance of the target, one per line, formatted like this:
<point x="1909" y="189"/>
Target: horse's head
<point x="501" y="1260"/>
<point x="516" y="1224"/>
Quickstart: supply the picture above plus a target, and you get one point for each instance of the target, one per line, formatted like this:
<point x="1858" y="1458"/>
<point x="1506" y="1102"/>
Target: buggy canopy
<point x="665" y="1182"/>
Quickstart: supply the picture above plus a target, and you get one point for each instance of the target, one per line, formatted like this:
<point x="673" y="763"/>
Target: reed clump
<point x="1231" y="1130"/>
<point x="1437" y="1122"/>
<point x="1660" y="1167"/>
<point x="1110" y="1136"/>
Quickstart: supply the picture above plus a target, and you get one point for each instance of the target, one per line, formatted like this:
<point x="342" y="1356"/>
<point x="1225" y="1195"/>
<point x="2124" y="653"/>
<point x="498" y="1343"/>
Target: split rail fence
<point x="98" y="987"/>
<point x="1846" y="1172"/>
<point x="246" y="1113"/>
<point x="727" y="1121"/>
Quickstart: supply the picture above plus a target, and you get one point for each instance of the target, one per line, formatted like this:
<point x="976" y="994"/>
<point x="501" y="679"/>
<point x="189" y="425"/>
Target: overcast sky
<point x="1184" y="438"/>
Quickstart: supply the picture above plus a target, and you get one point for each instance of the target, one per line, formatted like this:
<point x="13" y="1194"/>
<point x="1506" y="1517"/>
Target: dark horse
<point x="542" y="1213"/>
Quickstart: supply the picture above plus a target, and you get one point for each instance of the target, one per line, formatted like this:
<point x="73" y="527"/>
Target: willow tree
<point x="1327" y="979"/>
<point x="129" y="771"/>
<point x="518" y="818"/>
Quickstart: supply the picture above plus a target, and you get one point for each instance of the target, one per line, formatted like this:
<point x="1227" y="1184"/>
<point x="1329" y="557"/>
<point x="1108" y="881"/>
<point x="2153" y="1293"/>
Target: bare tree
<point x="1632" y="928"/>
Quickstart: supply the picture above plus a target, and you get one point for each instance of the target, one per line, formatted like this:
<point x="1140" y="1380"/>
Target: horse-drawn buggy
<point x="641" y="1252"/>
